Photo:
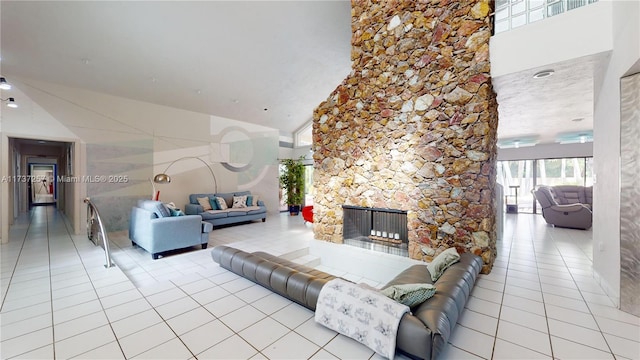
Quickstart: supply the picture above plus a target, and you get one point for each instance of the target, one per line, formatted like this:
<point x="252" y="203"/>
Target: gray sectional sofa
<point x="228" y="216"/>
<point x="422" y="334"/>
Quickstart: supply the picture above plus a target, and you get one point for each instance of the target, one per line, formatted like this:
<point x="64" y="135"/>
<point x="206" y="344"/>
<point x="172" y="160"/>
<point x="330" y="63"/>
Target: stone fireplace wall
<point x="413" y="127"/>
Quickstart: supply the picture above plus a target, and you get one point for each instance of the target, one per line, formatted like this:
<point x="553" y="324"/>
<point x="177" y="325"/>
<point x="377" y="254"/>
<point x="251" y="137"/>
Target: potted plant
<point x="292" y="180"/>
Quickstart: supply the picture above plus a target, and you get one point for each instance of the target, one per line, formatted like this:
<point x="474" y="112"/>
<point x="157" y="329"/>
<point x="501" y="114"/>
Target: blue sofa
<point x="153" y="228"/>
<point x="230" y="215"/>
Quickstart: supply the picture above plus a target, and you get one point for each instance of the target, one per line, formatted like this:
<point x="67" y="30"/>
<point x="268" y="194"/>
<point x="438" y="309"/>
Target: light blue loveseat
<point x="152" y="227"/>
<point x="229" y="216"/>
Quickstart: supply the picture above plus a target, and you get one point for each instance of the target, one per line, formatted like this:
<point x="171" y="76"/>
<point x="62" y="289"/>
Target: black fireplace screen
<point x="379" y="229"/>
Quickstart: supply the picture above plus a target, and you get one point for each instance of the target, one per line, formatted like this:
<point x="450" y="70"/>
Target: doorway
<point x="42" y="184"/>
<point x="520" y="177"/>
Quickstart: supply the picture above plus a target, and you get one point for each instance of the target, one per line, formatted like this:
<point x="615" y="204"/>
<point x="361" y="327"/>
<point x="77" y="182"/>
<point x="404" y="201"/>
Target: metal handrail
<point x="93" y="220"/>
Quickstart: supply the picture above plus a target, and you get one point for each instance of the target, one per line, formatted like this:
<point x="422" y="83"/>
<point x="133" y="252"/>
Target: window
<point x="304" y="136"/>
<point x="527" y="174"/>
<point x="308" y="185"/>
<point x="517" y="176"/>
<point x="565" y="171"/>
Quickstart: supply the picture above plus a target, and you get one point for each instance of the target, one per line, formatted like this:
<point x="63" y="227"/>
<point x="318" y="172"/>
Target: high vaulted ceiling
<point x="264" y="62"/>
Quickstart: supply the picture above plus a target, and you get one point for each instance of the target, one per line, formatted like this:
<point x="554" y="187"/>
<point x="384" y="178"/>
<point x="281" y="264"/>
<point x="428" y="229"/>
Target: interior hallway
<point x="58" y="300"/>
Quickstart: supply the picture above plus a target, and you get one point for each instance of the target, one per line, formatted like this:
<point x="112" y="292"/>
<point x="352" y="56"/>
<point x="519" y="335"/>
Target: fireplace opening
<point x="383" y="230"/>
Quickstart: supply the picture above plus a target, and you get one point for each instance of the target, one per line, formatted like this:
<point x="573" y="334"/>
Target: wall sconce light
<point x="4" y="85"/>
<point x="10" y="102"/>
<point x="163" y="178"/>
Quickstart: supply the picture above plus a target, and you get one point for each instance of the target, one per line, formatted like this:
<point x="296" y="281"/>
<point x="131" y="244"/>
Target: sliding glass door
<point x="517" y="178"/>
<point x="522" y="176"/>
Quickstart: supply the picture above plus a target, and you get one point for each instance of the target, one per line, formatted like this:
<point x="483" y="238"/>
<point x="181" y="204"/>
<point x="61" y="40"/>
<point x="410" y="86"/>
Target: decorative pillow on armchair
<point x="173" y="210"/>
<point x="176" y="212"/>
<point x="157" y="207"/>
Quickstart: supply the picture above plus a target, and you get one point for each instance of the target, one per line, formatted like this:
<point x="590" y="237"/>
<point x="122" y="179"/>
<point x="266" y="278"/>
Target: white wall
<point x="29" y="120"/>
<point x="5" y="198"/>
<point x="119" y="136"/>
<point x="553" y="39"/>
<point x="613" y="26"/>
<point x="606" y="197"/>
<point x="304" y="151"/>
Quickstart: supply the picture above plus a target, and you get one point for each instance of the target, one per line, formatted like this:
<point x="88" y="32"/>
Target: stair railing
<point x="95" y="229"/>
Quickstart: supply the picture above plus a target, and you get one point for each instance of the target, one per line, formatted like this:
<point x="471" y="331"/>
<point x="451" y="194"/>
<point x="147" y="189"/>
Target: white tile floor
<point x="58" y="301"/>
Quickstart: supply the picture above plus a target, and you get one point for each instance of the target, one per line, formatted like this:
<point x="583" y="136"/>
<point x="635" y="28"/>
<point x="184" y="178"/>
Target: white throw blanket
<point x="362" y="314"/>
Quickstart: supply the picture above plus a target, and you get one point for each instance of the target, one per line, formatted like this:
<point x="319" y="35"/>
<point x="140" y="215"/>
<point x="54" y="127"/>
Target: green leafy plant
<point x="292" y="180"/>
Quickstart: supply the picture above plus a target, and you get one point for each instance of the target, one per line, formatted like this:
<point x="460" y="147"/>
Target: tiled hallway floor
<point x="58" y="300"/>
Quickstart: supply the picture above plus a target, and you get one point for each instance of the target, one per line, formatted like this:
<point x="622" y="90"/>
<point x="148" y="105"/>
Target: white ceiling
<point x="227" y="58"/>
<point x="237" y="58"/>
<point x="544" y="109"/>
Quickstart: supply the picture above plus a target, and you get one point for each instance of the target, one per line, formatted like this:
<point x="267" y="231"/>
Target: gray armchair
<point x="152" y="227"/>
<point x="557" y="210"/>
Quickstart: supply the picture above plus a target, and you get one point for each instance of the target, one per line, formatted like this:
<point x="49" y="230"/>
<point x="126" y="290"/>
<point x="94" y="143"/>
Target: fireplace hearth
<point x="377" y="229"/>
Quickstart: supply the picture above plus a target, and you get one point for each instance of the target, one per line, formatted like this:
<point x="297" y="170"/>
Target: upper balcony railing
<point x="511" y="14"/>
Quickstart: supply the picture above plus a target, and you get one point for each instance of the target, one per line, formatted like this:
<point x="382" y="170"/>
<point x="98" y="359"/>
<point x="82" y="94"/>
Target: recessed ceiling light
<point x="543" y="74"/>
<point x="12" y="103"/>
<point x="4" y="85"/>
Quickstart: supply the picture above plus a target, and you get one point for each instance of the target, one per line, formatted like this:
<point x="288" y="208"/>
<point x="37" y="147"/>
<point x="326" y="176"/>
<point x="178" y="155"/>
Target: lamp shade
<point x="162" y="179"/>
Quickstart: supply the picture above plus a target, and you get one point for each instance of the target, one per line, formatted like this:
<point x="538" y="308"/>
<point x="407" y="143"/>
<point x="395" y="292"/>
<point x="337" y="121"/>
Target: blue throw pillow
<point x="214" y="203"/>
<point x="249" y="200"/>
<point x="176" y="212"/>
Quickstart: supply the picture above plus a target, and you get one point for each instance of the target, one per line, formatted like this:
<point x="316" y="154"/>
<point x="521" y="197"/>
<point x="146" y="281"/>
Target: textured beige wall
<point x="413" y="127"/>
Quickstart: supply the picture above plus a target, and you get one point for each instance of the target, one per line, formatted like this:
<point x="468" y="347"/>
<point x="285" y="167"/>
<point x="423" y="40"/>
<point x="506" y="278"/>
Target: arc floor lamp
<point x="163" y="178"/>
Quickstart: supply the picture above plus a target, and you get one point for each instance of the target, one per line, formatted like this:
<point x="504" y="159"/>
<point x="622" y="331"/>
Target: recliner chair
<point x="575" y="216"/>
